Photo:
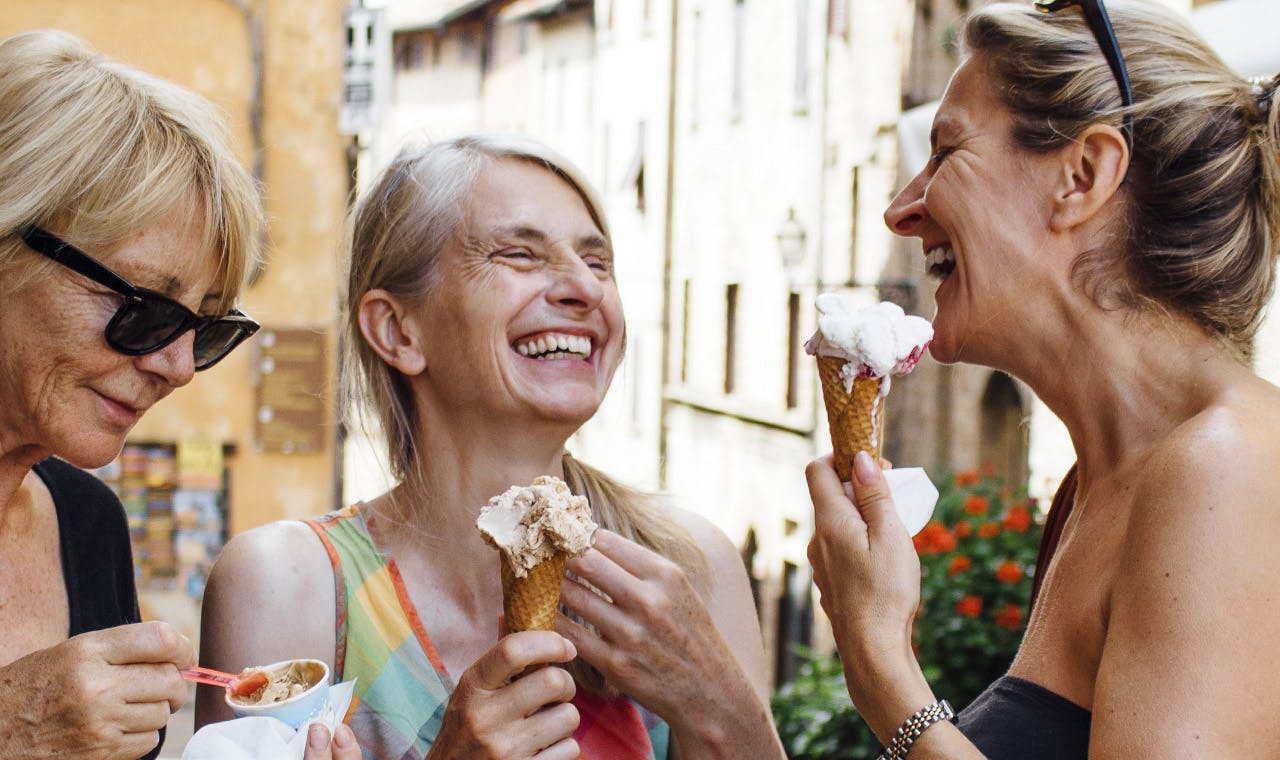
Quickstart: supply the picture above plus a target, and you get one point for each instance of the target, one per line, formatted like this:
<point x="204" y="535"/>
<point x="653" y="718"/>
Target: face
<point x="981" y="209"/>
<point x="75" y="396"/>
<point x="524" y="320"/>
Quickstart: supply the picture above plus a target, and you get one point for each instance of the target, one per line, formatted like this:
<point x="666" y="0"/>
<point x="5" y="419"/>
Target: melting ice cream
<point x="530" y="524"/>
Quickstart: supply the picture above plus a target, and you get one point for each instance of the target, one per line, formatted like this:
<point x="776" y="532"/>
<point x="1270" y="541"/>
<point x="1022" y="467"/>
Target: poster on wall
<point x="292" y="371"/>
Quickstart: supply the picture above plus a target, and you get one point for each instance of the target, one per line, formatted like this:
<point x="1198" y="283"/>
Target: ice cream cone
<point x="856" y="417"/>
<point x="529" y="603"/>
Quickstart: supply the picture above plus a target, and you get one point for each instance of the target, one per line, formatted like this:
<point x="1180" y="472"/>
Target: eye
<point x="598" y="263"/>
<point x="938" y="156"/>
<point x="519" y="257"/>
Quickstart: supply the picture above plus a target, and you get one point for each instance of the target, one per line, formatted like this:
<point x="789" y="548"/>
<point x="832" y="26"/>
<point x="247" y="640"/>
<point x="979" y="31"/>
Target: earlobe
<point x="1092" y="169"/>
<point x="390" y="332"/>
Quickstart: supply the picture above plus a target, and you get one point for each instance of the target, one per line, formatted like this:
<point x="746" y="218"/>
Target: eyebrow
<point x="940" y="124"/>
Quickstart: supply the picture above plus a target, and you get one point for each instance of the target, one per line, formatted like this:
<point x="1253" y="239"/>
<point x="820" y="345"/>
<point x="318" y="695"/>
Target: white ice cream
<point x="876" y="341"/>
<point x="531" y="524"/>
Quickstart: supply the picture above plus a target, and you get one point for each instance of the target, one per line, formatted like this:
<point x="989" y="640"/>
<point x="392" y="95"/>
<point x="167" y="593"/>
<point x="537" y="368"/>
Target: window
<point x="793" y="349"/>
<point x="802" y="57"/>
<point x="634" y="178"/>
<point x="1004" y="443"/>
<point x="730" y="334"/>
<point x="795" y="620"/>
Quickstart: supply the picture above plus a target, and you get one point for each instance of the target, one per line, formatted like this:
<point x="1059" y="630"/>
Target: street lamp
<point x="791" y="243"/>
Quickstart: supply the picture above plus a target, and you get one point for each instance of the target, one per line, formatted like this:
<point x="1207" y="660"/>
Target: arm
<point x="270" y="597"/>
<point x="869" y="576"/>
<point x="697" y="664"/>
<point x="1188" y="665"/>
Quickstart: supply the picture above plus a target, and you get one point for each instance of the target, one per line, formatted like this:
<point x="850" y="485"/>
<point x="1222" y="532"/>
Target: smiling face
<point x="523" y="320"/>
<point x="66" y="391"/>
<point x="981" y="209"/>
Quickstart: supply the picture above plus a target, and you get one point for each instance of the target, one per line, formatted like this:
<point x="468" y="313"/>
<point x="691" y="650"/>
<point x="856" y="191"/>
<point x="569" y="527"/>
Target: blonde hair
<point x="1203" y="185"/>
<point x="399" y="228"/>
<point x="95" y="149"/>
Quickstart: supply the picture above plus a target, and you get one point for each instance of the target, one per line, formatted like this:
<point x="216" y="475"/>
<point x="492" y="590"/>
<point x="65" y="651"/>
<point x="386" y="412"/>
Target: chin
<point x="91" y="451"/>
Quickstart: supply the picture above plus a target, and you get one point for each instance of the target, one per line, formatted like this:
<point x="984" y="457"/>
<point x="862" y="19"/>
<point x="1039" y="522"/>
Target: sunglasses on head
<point x="147" y="321"/>
<point x="1095" y="15"/>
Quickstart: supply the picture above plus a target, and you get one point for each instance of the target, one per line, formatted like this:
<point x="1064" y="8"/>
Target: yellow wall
<point x="205" y="45"/>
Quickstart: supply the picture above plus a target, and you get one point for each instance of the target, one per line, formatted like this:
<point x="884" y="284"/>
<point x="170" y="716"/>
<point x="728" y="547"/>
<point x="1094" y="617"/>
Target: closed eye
<point x="939" y="155"/>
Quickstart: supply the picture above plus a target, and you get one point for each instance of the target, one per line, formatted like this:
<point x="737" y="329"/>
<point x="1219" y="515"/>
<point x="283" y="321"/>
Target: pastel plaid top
<point x="402" y="685"/>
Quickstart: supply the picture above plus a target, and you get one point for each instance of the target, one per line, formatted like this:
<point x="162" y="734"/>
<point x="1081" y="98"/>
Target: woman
<point x="484" y="327"/>
<point x="127" y="228"/>
<point x="1137" y="253"/>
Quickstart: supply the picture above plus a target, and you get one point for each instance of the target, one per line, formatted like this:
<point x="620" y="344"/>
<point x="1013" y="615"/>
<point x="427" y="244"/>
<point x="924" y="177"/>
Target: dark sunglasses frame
<point x="235" y="326"/>
<point x="1095" y="15"/>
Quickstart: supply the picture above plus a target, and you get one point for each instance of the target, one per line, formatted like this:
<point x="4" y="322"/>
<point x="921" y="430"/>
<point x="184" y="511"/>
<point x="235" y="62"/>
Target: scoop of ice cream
<point x="285" y="683"/>
<point x="533" y="523"/>
<point x="876" y="341"/>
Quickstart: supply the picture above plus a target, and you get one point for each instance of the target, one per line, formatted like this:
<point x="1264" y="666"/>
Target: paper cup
<point x="295" y="710"/>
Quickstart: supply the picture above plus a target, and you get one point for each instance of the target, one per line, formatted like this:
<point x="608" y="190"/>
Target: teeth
<point x="557" y="346"/>
<point x="940" y="261"/>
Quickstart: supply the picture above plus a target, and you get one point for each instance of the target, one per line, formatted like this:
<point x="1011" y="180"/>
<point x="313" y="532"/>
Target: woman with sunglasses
<point x="126" y="230"/>
<point x="483" y="329"/>
<point x="1117" y="258"/>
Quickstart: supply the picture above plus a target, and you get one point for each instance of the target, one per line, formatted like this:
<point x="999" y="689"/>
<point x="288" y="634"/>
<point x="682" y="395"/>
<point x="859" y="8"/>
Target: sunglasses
<point x="1095" y="15"/>
<point x="147" y="321"/>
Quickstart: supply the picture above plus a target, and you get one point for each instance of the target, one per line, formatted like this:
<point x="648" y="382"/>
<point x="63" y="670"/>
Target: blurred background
<point x="745" y="150"/>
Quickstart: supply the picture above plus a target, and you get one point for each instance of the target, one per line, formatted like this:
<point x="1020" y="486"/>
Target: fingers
<point x="590" y="605"/>
<point x="830" y="505"/>
<point x="871" y="493"/>
<point x="510" y="656"/>
<point x="142" y="642"/>
<point x="541" y="687"/>
<point x="630" y="556"/>
<point x="340" y="746"/>
<point x="551" y="726"/>
<point x="146" y="683"/>
<point x="565" y="749"/>
<point x="142" y="717"/>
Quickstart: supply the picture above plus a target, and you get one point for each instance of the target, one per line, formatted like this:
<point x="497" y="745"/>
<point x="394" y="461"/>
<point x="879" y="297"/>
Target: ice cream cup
<point x="295" y="710"/>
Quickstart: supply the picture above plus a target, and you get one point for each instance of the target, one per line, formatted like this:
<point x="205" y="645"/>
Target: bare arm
<point x="270" y="597"/>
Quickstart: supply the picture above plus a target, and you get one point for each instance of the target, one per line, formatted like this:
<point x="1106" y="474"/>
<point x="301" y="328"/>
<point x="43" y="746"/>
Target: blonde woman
<point x="1103" y="223"/>
<point x="484" y="328"/>
<point x="126" y="230"/>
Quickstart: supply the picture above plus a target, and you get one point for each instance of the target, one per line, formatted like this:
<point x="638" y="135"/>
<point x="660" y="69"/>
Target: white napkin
<point x="914" y="496"/>
<point x="261" y="738"/>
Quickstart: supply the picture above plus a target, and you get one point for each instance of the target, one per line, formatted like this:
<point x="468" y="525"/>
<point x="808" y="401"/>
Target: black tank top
<point x="97" y="560"/>
<point x="1015" y="718"/>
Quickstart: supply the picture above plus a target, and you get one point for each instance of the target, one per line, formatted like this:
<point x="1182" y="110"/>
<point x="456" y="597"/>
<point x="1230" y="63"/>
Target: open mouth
<point x="940" y="262"/>
<point x="555" y="346"/>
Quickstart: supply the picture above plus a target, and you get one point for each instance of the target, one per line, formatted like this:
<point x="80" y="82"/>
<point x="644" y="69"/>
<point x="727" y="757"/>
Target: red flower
<point x="934" y="539"/>
<point x="959" y="564"/>
<point x="1010" y="617"/>
<point x="966" y="478"/>
<point x="1018" y="519"/>
<point x="976" y="505"/>
<point x="962" y="529"/>
<point x="988" y="530"/>
<point x="1009" y="572"/>
<point x="969" y="606"/>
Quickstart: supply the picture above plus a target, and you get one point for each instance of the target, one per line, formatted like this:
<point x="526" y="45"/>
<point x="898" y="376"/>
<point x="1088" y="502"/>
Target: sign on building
<point x="361" y="71"/>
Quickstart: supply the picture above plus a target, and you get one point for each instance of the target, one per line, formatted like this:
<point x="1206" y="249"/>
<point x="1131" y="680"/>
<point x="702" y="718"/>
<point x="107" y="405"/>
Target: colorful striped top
<point x="402" y="685"/>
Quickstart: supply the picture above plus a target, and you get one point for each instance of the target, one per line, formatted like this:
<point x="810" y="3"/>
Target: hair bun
<point x="1264" y="91"/>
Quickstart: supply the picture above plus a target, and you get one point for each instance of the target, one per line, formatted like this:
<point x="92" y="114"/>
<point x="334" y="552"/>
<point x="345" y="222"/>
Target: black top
<point x="97" y="560"/>
<point x="1015" y="719"/>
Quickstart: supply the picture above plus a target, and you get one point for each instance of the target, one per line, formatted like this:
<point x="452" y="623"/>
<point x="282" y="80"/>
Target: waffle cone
<point x="529" y="603"/>
<point x="855" y="419"/>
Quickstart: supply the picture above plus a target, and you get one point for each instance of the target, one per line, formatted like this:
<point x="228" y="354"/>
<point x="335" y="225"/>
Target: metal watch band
<point x="912" y="727"/>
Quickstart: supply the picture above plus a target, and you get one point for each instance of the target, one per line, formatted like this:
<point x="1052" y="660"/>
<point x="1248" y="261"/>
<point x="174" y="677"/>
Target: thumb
<point x="871" y="493"/>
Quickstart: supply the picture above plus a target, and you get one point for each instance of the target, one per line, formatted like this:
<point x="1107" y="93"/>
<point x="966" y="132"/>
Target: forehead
<point x="970" y="101"/>
<point x="511" y="191"/>
<point x="169" y="255"/>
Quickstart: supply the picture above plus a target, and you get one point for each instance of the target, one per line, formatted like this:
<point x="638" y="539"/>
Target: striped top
<point x="402" y="685"/>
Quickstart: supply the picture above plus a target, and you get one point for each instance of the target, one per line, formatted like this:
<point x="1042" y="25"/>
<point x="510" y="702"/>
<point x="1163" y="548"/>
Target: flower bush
<point x="977" y="560"/>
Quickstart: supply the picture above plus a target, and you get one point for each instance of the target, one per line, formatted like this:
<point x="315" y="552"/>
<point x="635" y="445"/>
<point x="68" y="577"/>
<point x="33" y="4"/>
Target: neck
<point x="16" y="462"/>
<point x="1122" y="381"/>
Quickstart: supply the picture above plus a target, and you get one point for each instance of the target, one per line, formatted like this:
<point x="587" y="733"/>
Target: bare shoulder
<point x="722" y="556"/>
<point x="284" y="556"/>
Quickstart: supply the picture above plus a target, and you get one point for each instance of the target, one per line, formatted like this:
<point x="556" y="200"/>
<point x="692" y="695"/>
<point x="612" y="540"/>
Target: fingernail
<point x="342" y="737"/>
<point x="569" y="649"/>
<point x="317" y="737"/>
<point x="866" y="469"/>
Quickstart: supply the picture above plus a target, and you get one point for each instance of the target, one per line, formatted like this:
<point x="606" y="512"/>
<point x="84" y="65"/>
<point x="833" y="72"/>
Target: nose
<point x="576" y="285"/>
<point x="176" y="362"/>
<point x="906" y="213"/>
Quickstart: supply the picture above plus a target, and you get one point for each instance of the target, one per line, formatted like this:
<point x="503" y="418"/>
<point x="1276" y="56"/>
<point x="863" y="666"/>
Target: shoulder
<point x="284" y="552"/>
<point x="715" y="545"/>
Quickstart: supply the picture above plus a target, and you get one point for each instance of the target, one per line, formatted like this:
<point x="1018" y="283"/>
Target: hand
<point x="864" y="566"/>
<point x="496" y="712"/>
<point x="657" y="641"/>
<point x="102" y="695"/>
<point x="342" y="747"/>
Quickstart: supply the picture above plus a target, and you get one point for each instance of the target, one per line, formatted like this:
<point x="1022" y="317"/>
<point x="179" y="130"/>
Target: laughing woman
<point x="484" y="326"/>
<point x="1108" y="234"/>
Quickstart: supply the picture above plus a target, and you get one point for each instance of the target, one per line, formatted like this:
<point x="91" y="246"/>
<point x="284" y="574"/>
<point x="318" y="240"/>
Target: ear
<point x="391" y="332"/>
<point x="1092" y="168"/>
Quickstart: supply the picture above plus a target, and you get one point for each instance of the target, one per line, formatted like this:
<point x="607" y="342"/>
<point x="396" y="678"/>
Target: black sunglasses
<point x="1095" y="15"/>
<point x="147" y="321"/>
